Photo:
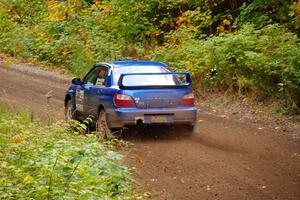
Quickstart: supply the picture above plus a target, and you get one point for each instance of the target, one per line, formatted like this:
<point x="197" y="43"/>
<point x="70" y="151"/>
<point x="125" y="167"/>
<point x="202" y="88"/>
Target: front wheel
<point x="70" y="112"/>
<point x="102" y="127"/>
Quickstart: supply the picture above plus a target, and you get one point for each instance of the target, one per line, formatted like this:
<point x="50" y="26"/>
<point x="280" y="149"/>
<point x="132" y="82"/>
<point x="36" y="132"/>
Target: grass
<point x="51" y="162"/>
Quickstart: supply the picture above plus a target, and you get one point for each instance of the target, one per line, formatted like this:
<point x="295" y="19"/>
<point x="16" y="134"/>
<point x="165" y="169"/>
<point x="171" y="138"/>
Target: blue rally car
<point x="125" y="93"/>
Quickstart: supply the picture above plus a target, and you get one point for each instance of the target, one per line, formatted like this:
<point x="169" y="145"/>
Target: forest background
<point x="241" y="48"/>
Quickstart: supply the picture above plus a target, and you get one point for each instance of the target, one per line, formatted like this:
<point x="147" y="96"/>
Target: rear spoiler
<point x="186" y="74"/>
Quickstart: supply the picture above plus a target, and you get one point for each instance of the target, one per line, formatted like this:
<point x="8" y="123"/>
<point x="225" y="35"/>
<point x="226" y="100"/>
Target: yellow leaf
<point x="18" y="140"/>
<point x="226" y="22"/>
<point x="221" y="29"/>
<point x="298" y="8"/>
<point x="25" y="131"/>
<point x="27" y="179"/>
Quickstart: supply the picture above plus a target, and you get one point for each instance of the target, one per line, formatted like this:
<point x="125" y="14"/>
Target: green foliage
<point x="23" y="11"/>
<point x="199" y="36"/>
<point x="263" y="62"/>
<point x="39" y="162"/>
<point x="75" y="42"/>
<point x="264" y="12"/>
<point x="75" y="34"/>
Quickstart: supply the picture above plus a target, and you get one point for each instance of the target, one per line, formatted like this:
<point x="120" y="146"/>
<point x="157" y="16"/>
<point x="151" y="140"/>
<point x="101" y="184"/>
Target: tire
<point x="102" y="128"/>
<point x="188" y="129"/>
<point x="69" y="112"/>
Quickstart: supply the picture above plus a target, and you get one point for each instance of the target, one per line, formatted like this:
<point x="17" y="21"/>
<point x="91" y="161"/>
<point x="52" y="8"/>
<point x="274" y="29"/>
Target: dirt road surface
<point x="226" y="159"/>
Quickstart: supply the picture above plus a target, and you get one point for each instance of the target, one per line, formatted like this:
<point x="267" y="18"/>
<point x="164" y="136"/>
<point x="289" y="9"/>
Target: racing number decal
<point x="79" y="99"/>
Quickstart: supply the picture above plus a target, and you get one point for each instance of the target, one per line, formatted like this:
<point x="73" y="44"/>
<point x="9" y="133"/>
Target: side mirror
<point x="76" y="81"/>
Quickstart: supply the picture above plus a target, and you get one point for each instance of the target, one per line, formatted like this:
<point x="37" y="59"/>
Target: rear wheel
<point x="188" y="129"/>
<point x="102" y="126"/>
<point x="69" y="112"/>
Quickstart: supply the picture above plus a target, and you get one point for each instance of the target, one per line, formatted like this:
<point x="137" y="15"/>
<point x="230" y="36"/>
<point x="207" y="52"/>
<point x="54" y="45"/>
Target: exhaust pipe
<point x="139" y="121"/>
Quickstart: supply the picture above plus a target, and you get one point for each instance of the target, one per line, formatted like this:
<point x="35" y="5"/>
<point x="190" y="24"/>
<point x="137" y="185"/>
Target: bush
<point x="264" y="62"/>
<point x="39" y="162"/>
<point x="74" y="40"/>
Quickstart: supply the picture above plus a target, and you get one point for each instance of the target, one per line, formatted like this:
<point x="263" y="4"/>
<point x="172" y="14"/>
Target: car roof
<point x="126" y="63"/>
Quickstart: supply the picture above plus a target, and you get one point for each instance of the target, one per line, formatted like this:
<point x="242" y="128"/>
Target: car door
<point x="83" y="93"/>
<point x="94" y="90"/>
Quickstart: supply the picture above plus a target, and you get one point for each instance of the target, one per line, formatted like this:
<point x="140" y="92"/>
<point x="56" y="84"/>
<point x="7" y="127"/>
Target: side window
<point x="91" y="77"/>
<point x="102" y="77"/>
<point x="97" y="77"/>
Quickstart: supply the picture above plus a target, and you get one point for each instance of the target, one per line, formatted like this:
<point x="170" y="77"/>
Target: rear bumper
<point x="121" y="117"/>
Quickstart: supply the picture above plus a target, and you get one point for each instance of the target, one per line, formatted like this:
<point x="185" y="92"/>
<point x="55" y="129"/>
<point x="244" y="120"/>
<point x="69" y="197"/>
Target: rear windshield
<point x="142" y="80"/>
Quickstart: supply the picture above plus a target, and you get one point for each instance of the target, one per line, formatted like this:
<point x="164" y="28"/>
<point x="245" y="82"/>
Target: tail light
<point x="123" y="100"/>
<point x="188" y="100"/>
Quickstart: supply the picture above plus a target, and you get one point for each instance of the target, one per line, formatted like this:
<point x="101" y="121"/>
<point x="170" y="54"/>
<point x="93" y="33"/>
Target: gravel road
<point x="226" y="159"/>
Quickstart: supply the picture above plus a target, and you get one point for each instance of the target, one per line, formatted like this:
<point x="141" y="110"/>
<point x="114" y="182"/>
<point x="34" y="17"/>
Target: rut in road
<point x="226" y="159"/>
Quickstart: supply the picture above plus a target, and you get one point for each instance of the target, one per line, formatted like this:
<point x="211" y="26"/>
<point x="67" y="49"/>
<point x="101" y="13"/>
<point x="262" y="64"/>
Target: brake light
<point x="123" y="100"/>
<point x="188" y="100"/>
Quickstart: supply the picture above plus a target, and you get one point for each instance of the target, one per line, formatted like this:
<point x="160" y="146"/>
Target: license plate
<point x="158" y="119"/>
